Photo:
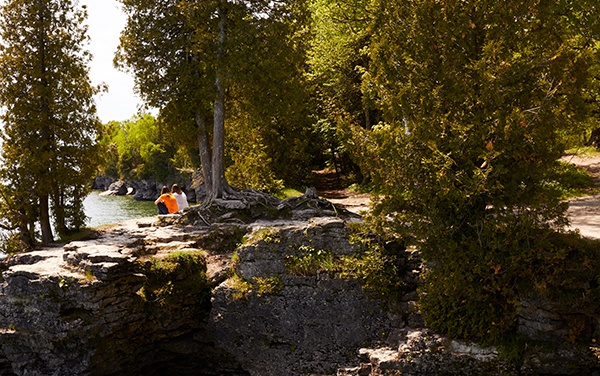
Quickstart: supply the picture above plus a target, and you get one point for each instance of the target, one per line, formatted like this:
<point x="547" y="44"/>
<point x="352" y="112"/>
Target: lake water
<point x="103" y="210"/>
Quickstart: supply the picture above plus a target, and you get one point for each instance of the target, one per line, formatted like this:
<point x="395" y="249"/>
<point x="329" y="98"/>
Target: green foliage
<point x="269" y="235"/>
<point x="311" y="262"/>
<point x="49" y="148"/>
<point x="12" y="243"/>
<point x="258" y="285"/>
<point x="179" y="276"/>
<point x="139" y="150"/>
<point x="269" y="124"/>
<point x="338" y="61"/>
<point x="476" y="295"/>
<point x="381" y="266"/>
<point x="268" y="285"/>
<point x="206" y="49"/>
<point x="474" y="109"/>
<point x="251" y="165"/>
<point x="287" y="193"/>
<point x="571" y="181"/>
<point x="241" y="288"/>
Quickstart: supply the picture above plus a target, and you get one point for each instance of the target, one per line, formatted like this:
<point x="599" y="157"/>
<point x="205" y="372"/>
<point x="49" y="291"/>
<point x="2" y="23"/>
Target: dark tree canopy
<point x="50" y="123"/>
<point x="475" y="97"/>
<point x="191" y="58"/>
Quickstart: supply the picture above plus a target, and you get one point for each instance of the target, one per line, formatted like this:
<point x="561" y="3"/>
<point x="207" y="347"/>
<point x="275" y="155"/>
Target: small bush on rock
<point x="312" y="262"/>
<point x="179" y="276"/>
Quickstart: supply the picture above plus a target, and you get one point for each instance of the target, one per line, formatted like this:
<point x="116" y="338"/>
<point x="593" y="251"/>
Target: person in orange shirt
<point x="166" y="202"/>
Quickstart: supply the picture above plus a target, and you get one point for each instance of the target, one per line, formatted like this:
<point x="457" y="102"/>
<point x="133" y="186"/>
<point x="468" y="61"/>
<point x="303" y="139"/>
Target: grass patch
<point x="311" y="262"/>
<point x="287" y="193"/>
<point x="571" y="181"/>
<point x="242" y="288"/>
<point x="363" y="189"/>
<point x="180" y="276"/>
<point x="268" y="285"/>
<point x="583" y="151"/>
<point x="269" y="235"/>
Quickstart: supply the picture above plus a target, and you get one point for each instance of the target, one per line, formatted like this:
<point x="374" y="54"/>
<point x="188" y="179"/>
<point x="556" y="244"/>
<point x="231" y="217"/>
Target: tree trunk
<point x="218" y="156"/>
<point x="47" y="236"/>
<point x="594" y="139"/>
<point x="59" y="212"/>
<point x="219" y="184"/>
<point x="44" y="198"/>
<point x="205" y="153"/>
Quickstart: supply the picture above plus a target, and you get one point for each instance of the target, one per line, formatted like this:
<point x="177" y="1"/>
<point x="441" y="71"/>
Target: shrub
<point x="180" y="276"/>
<point x="311" y="262"/>
<point x="473" y="290"/>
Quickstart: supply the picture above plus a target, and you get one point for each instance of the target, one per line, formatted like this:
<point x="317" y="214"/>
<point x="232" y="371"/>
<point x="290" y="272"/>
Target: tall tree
<point x="474" y="97"/>
<point x="182" y="54"/>
<point x="186" y="57"/>
<point x="50" y="123"/>
<point x="269" y="102"/>
<point x="157" y="46"/>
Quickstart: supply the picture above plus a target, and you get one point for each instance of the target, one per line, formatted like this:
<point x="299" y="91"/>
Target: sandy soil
<point x="584" y="212"/>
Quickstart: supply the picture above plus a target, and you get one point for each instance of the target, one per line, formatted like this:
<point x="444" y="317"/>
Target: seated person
<point x="166" y="202"/>
<point x="180" y="197"/>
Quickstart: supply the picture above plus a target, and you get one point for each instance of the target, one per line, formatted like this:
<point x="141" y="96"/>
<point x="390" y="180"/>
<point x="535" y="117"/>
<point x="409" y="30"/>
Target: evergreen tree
<point x="475" y="96"/>
<point x="269" y="103"/>
<point x="189" y="58"/>
<point x="50" y="123"/>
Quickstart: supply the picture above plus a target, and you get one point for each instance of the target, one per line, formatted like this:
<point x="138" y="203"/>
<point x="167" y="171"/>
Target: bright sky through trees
<point x="106" y="20"/>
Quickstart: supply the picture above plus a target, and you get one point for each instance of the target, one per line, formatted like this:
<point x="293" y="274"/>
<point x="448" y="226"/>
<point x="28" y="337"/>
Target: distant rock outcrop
<point x="145" y="190"/>
<point x="102" y="183"/>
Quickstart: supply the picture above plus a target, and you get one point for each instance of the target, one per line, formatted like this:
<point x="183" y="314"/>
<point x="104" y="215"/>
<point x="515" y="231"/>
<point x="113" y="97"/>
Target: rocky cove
<point x="148" y="190"/>
<point x="230" y="291"/>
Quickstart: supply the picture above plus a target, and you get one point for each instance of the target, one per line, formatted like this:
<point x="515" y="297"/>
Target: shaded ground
<point x="584" y="212"/>
<point x="331" y="188"/>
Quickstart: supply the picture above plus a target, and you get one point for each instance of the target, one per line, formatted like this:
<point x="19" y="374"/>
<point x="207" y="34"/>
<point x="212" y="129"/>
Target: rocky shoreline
<point x="119" y="304"/>
<point x="147" y="190"/>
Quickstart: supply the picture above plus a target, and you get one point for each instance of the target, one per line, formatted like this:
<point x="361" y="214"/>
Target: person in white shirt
<point x="180" y="197"/>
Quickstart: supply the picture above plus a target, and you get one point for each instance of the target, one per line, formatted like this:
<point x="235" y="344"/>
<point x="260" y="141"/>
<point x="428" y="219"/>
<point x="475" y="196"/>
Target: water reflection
<point x="103" y="210"/>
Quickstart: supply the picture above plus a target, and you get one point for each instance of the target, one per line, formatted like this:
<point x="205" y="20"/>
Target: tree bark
<point x="205" y="153"/>
<point x="59" y="212"/>
<point x="219" y="184"/>
<point x="47" y="236"/>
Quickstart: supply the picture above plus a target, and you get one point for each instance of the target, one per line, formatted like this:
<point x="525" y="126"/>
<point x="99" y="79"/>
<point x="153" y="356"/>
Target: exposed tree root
<point x="248" y="205"/>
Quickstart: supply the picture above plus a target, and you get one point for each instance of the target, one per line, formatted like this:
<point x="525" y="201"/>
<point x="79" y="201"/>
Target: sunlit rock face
<point x="102" y="306"/>
<point x="228" y="291"/>
<point x="80" y="310"/>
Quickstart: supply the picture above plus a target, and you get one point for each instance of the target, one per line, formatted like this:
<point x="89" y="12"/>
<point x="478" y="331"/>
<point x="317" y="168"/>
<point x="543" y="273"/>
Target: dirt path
<point x="329" y="187"/>
<point x="583" y="213"/>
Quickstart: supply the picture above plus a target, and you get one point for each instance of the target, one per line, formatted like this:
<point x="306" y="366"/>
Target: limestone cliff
<point x="110" y="306"/>
<point x="228" y="291"/>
